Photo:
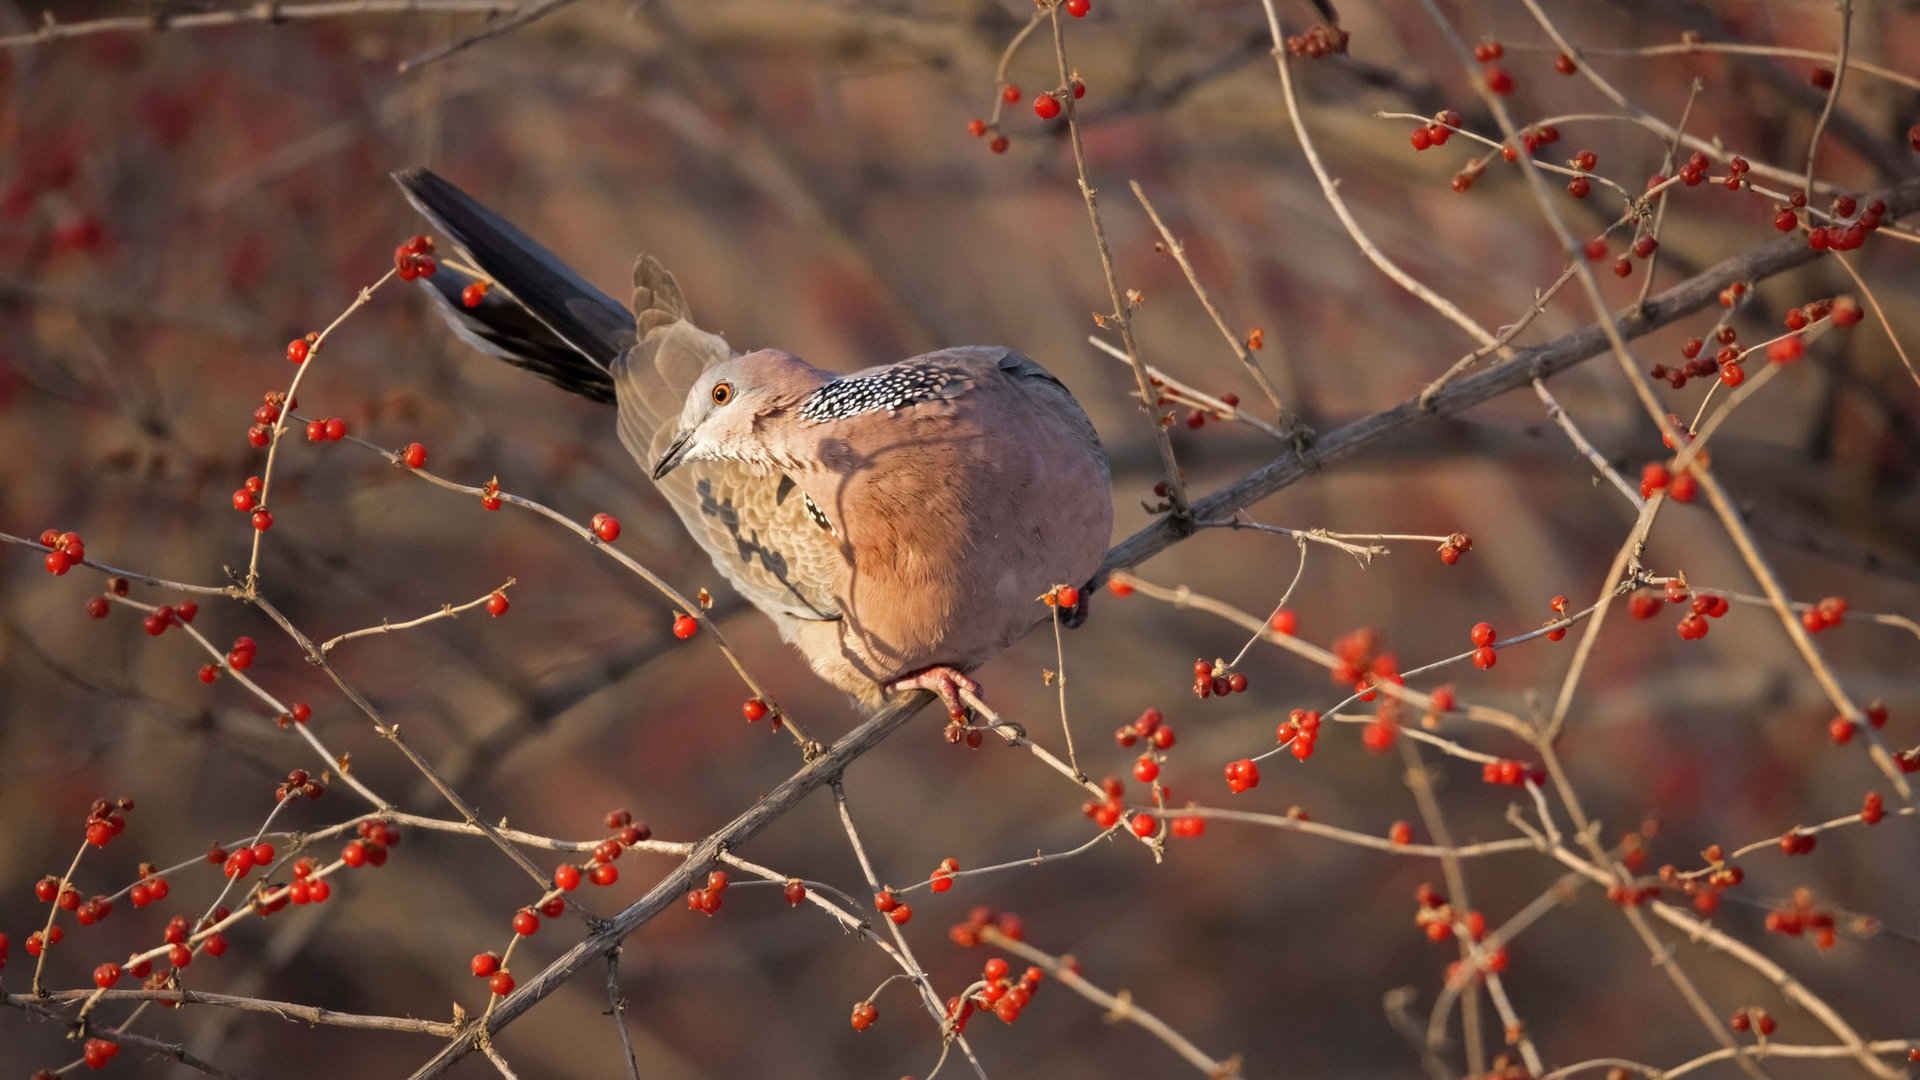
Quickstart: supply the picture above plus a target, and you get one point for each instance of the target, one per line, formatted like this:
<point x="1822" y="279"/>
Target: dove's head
<point x="728" y="407"/>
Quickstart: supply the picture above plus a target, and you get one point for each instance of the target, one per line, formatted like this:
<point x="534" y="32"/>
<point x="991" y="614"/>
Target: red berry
<point x="262" y="520"/>
<point x="795" y="892"/>
<point x="297" y="350"/>
<point x="1786" y="221"/>
<point x="976" y="127"/>
<point x="685" y="626"/>
<point x="1786" y="350"/>
<point x="603" y="873"/>
<point x="754" y="710"/>
<point x="1482" y="633"/>
<point x="106" y="975"/>
<point x="501" y="983"/>
<point x="336" y="429"/>
<point x="1010" y="93"/>
<point x="473" y="294"/>
<point x="1143" y="825"/>
<point x="566" y="877"/>
<point x="1484" y="657"/>
<point x="1078" y="8"/>
<point x="316" y="431"/>
<point x="1146" y="769"/>
<point x="1378" y="736"/>
<point x="525" y="922"/>
<point x="1420" y="139"/>
<point x="900" y="915"/>
<point x="497" y="604"/>
<point x="484" y="964"/>
<point x="414" y="455"/>
<point x="1564" y="64"/>
<point x="998" y="144"/>
<point x="1400" y="833"/>
<point x="864" y="1014"/>
<point x="606" y="527"/>
<point x="1046" y="107"/>
<point x="1499" y="81"/>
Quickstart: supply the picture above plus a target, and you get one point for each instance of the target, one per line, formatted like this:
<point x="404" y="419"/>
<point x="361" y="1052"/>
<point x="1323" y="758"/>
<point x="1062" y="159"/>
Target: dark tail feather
<point x="537" y="313"/>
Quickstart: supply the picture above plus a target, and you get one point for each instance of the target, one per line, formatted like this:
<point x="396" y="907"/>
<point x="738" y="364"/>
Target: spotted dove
<point x="898" y="523"/>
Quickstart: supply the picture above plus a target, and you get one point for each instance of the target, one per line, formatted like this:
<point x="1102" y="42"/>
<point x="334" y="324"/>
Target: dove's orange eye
<point x="722" y="393"/>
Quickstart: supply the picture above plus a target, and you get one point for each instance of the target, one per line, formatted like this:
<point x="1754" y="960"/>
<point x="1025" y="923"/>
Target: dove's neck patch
<point x="898" y="386"/>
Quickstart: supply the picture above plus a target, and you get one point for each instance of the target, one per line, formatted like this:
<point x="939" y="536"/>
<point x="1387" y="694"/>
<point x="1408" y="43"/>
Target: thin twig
<point x="513" y="22"/>
<point x="261" y="12"/>
<point x="1122" y="317"/>
<point x="1179" y="252"/>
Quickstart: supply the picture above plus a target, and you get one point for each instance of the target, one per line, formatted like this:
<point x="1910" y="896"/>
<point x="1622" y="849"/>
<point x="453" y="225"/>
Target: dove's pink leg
<point x="944" y="681"/>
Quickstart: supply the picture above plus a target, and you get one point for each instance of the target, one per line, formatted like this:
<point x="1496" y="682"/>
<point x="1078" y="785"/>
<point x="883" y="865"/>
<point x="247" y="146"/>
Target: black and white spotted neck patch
<point x="898" y="386"/>
<point x="818" y="515"/>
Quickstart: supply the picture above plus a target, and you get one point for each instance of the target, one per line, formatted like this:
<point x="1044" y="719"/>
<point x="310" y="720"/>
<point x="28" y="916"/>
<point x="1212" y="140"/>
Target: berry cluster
<point x="1320" y="40"/>
<point x="1241" y="775"/>
<point x="888" y="904"/>
<point x="706" y="900"/>
<point x="415" y="258"/>
<point x="1215" y="679"/>
<point x="299" y="782"/>
<point x="1512" y="773"/>
<point x="332" y="429"/>
<point x="67" y="547"/>
<point x="1302" y="727"/>
<point x="376" y="837"/>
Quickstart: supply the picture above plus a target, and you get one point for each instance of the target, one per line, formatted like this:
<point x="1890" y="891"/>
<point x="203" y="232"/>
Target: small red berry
<point x="1010" y="93"/>
<point x="606" y="527"/>
<point x="566" y="877"/>
<point x="1484" y="657"/>
<point x="484" y="964"/>
<point x="262" y="520"/>
<point x="864" y="1014"/>
<point x="754" y="710"/>
<point x="795" y="892"/>
<point x="474" y="294"/>
<point x="603" y="873"/>
<point x="297" y="350"/>
<point x="501" y="983"/>
<point x="1499" y="81"/>
<point x="497" y="604"/>
<point x="1565" y="65"/>
<point x="335" y="429"/>
<point x="1482" y="633"/>
<point x="525" y="922"/>
<point x="1078" y="8"/>
<point x="1143" y="825"/>
<point x="1046" y="107"/>
<point x="685" y="626"/>
<point x="414" y="455"/>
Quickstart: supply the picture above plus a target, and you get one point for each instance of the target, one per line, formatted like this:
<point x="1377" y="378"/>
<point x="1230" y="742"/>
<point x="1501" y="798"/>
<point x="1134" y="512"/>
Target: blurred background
<point x="179" y="205"/>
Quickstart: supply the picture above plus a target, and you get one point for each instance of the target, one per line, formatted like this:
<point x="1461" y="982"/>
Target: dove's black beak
<point x="676" y="453"/>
